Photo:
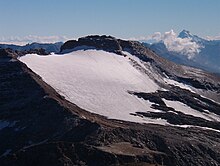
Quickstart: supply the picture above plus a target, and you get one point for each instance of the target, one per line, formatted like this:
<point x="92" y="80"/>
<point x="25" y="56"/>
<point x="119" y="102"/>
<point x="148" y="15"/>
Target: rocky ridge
<point x="39" y="127"/>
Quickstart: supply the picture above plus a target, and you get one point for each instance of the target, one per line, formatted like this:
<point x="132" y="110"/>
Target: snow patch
<point x="212" y="115"/>
<point x="148" y="105"/>
<point x="181" y="85"/>
<point x="159" y="121"/>
<point x="181" y="107"/>
<point x="191" y="126"/>
<point x="96" y="81"/>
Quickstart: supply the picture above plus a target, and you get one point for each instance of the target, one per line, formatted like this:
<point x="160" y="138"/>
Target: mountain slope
<point x="97" y="81"/>
<point x="40" y="127"/>
<point x="110" y="84"/>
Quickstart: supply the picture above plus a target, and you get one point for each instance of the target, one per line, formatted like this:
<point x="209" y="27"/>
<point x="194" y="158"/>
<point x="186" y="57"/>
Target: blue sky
<point x="120" y="18"/>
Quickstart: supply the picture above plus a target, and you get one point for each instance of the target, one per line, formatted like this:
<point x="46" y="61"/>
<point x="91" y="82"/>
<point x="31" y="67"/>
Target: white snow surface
<point x="97" y="81"/>
<point x="181" y="85"/>
<point x="200" y="127"/>
<point x="181" y="107"/>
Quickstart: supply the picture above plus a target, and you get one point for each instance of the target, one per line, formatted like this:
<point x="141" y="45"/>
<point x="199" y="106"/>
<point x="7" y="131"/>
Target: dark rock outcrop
<point x="7" y="54"/>
<point x="106" y="43"/>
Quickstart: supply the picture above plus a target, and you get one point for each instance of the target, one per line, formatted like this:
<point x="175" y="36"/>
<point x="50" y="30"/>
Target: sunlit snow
<point x="97" y="81"/>
<point x="181" y="107"/>
<point x="175" y="83"/>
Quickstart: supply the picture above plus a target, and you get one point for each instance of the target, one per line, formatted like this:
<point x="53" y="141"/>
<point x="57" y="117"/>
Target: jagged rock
<point x="106" y="43"/>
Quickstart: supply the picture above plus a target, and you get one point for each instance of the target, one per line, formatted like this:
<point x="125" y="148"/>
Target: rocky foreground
<point x="39" y="127"/>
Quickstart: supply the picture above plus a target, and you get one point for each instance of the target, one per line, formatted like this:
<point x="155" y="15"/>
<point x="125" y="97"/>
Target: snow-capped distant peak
<point x="186" y="34"/>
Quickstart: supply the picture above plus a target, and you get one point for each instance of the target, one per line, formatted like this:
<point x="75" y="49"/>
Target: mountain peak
<point x="185" y="34"/>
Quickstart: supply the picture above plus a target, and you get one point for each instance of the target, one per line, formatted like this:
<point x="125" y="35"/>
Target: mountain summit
<point x="186" y="34"/>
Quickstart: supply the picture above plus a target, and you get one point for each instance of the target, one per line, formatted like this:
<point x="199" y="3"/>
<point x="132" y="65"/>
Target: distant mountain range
<point x="48" y="47"/>
<point x="208" y="58"/>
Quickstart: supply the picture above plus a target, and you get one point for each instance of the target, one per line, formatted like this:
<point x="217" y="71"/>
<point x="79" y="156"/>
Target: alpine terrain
<point x="106" y="101"/>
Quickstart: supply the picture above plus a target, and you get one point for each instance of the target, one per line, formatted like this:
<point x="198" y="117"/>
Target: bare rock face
<point x="39" y="127"/>
<point x="9" y="54"/>
<point x="106" y="43"/>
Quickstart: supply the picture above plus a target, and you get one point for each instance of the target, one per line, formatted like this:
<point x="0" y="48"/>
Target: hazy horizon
<point x="54" y="20"/>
